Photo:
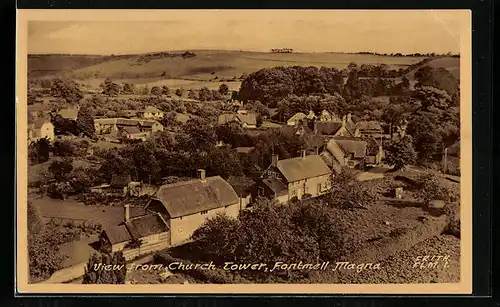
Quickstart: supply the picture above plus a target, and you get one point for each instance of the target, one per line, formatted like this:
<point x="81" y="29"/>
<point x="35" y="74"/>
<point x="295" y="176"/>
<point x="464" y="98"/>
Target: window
<point x="261" y="191"/>
<point x="204" y="212"/>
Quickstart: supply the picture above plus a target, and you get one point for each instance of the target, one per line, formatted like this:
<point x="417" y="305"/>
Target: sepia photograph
<point x="244" y="151"/>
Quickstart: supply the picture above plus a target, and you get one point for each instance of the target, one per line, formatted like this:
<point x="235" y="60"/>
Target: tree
<point x="165" y="90"/>
<point x="217" y="237"/>
<point x="400" y="152"/>
<point x="85" y="122"/>
<point x="66" y="89"/>
<point x="223" y="89"/>
<point x="424" y="128"/>
<point x="230" y="133"/>
<point x="96" y="274"/>
<point x="179" y="92"/>
<point x="110" y="88"/>
<point x="156" y="90"/>
<point x="128" y="89"/>
<point x="65" y="125"/>
<point x="39" y="151"/>
<point x="61" y="169"/>
<point x="347" y="192"/>
<point x="432" y="188"/>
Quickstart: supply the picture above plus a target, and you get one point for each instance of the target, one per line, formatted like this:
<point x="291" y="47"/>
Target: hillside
<point x="206" y="65"/>
<point x="449" y="63"/>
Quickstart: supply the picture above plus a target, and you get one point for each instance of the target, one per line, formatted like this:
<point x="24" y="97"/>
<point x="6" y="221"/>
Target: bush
<point x="433" y="189"/>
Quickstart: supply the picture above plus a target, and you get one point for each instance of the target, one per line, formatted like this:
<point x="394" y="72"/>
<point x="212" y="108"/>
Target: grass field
<point x="207" y="65"/>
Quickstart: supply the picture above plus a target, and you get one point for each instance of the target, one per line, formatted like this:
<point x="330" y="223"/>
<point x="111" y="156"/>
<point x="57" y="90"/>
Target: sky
<point x="304" y="31"/>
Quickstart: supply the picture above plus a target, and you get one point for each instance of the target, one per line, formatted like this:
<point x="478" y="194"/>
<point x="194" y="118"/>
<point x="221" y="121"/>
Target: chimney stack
<point x="201" y="175"/>
<point x="303" y="153"/>
<point x="127" y="212"/>
<point x="349" y="117"/>
<point x="274" y="161"/>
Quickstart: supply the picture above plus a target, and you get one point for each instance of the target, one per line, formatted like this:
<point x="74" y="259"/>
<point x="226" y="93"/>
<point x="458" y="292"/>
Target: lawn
<point x="72" y="209"/>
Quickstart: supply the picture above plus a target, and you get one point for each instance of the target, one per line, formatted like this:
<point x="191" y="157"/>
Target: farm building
<point x="369" y="129"/>
<point x="331" y="129"/>
<point x="307" y="175"/>
<point x="344" y="153"/>
<point x="186" y="205"/>
<point x="127" y="127"/>
<point x="39" y="129"/>
<point x="326" y="116"/>
<point x="151" y="113"/>
<point x="248" y="120"/>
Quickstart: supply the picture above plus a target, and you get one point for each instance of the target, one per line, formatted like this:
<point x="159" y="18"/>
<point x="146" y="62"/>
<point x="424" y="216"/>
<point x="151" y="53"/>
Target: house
<point x="39" y="129"/>
<point x="344" y="153"/>
<point x="186" y="205"/>
<point x="132" y="133"/>
<point x="374" y="153"/>
<point x="151" y="113"/>
<point x="326" y="116"/>
<point x="284" y="180"/>
<point x="331" y="129"/>
<point x="311" y="115"/>
<point x="243" y="186"/>
<point x="69" y="113"/>
<point x="294" y="120"/>
<point x="106" y="126"/>
<point x="369" y="129"/>
<point x="118" y="185"/>
<point x="136" y="236"/>
<point x="248" y="120"/>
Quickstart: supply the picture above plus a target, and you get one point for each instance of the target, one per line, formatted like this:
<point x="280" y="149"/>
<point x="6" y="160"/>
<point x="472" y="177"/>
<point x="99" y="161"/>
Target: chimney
<point x="303" y="153"/>
<point x="201" y="175"/>
<point x="274" y="161"/>
<point x="349" y="117"/>
<point x="127" y="212"/>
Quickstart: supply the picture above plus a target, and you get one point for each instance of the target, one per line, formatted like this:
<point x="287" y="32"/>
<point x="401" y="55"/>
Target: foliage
<point x="217" y="235"/>
<point x="156" y="90"/>
<point x="400" y="152"/>
<point x="179" y="92"/>
<point x="39" y="151"/>
<point x="85" y="122"/>
<point x="65" y="125"/>
<point x="165" y="90"/>
<point x="66" y="89"/>
<point x="347" y="193"/>
<point x="432" y="188"/>
<point x="61" y="169"/>
<point x="94" y="274"/>
<point x="128" y="89"/>
<point x="110" y="88"/>
<point x="223" y="89"/>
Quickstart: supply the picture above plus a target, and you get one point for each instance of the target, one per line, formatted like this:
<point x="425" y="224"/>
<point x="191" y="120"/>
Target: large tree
<point x="85" y="122"/>
<point x="400" y="152"/>
<point x="39" y="151"/>
<point x="66" y="89"/>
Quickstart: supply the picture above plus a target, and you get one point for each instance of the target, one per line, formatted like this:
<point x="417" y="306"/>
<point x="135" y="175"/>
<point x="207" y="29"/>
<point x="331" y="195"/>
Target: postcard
<point x="244" y="151"/>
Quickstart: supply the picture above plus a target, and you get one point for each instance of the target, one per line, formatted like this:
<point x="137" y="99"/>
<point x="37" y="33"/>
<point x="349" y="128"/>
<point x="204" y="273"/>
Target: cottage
<point x="39" y="129"/>
<point x="248" y="120"/>
<point x="187" y="205"/>
<point x="136" y="236"/>
<point x="331" y="129"/>
<point x="151" y="113"/>
<point x="296" y="119"/>
<point x="345" y="153"/>
<point x="326" y="116"/>
<point x="297" y="177"/>
<point x="132" y="133"/>
<point x="369" y="129"/>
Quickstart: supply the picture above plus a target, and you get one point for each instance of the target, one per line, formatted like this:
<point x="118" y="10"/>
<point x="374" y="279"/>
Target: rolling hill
<point x="207" y="68"/>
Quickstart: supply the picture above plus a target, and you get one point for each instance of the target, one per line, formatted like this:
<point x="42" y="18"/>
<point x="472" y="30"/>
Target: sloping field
<point x="449" y="63"/>
<point x="206" y="65"/>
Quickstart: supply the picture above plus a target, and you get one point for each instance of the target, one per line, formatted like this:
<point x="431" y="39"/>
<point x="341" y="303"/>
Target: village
<point x="143" y="171"/>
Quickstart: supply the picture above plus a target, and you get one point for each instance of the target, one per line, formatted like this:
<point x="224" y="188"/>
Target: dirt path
<point x="66" y="274"/>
